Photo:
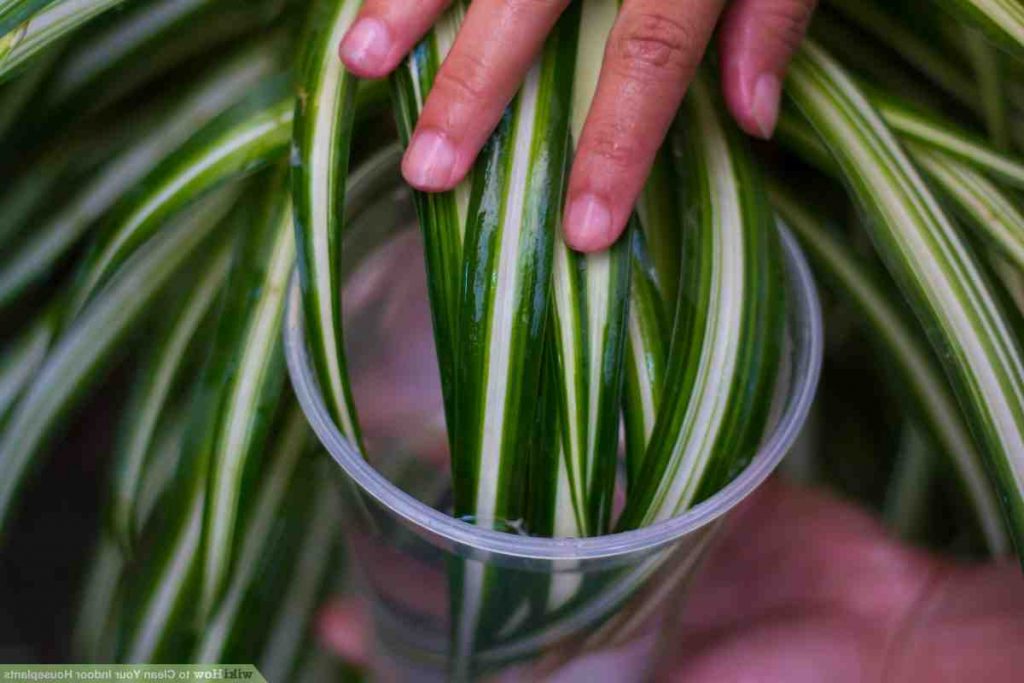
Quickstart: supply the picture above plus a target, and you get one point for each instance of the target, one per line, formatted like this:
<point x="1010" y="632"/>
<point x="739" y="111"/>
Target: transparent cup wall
<point x="453" y="601"/>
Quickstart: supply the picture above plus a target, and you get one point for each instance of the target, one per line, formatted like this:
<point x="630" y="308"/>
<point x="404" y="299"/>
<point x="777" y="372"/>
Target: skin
<point x="803" y="587"/>
<point x="651" y="56"/>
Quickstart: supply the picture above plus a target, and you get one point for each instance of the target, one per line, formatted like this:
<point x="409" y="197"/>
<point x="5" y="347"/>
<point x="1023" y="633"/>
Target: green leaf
<point x="148" y="40"/>
<point x="324" y="116"/>
<point x="238" y="142"/>
<point x="938" y="274"/>
<point x="47" y="26"/>
<point x="22" y="357"/>
<point x="36" y="256"/>
<point x="1001" y="20"/>
<point x="282" y="460"/>
<point x="983" y="205"/>
<point x="919" y="375"/>
<point x="513" y="213"/>
<point x="290" y="631"/>
<point x="590" y="297"/>
<point x="163" y="363"/>
<point x="988" y="209"/>
<point x="97" y="622"/>
<point x="443" y="215"/>
<point x="646" y="357"/>
<point x="248" y="354"/>
<point x="164" y="610"/>
<point x="659" y="215"/>
<point x="14" y="12"/>
<point x="990" y="73"/>
<point x="85" y="347"/>
<point x="17" y="95"/>
<point x="905" y="509"/>
<point x="924" y="55"/>
<point x="932" y="131"/>
<point x="728" y="330"/>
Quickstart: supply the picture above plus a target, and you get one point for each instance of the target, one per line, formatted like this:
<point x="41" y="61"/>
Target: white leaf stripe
<point x="985" y="206"/>
<point x="928" y="130"/>
<point x="929" y="259"/>
<point x="719" y="351"/>
<point x="508" y="294"/>
<point x="989" y="209"/>
<point x="323" y="129"/>
<point x="569" y="320"/>
<point x="255" y="381"/>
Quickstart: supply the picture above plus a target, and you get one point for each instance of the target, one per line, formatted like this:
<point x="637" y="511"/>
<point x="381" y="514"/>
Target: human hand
<point x="651" y="56"/>
<point x="804" y="588"/>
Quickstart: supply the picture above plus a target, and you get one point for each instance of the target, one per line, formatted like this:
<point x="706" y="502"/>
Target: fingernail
<point x="589" y="223"/>
<point x="366" y="44"/>
<point x="764" y="106"/>
<point x="429" y="161"/>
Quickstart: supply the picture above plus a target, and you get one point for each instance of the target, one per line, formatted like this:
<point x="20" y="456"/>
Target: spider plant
<point x="153" y="208"/>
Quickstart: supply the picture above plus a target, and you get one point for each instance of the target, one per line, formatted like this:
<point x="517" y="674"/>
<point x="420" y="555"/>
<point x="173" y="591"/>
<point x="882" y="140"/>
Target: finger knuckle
<point x="652" y="45"/>
<point x="464" y="79"/>
<point x="610" y="146"/>
<point x="785" y="22"/>
<point x="532" y="7"/>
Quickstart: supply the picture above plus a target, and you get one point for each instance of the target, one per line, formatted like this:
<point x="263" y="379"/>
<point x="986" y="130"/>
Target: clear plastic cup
<point x="450" y="600"/>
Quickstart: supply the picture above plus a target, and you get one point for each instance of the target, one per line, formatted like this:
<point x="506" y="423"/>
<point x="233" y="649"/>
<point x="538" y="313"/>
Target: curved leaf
<point x="919" y="373"/>
<point x="14" y="12"/>
<point x="282" y="461"/>
<point x="937" y="272"/>
<point x="324" y="115"/>
<point x="248" y="354"/>
<point x="933" y="132"/>
<point x="238" y="142"/>
<point x="983" y="205"/>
